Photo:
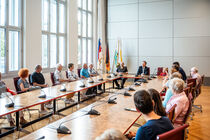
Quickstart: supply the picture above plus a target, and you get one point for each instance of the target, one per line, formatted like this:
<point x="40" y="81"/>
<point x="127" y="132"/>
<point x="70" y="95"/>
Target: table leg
<point x="17" y="120"/>
<point x="78" y="97"/>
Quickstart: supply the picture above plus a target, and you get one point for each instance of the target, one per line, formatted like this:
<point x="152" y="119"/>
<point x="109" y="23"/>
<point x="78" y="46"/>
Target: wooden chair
<point x="30" y="80"/>
<point x="190" y="85"/>
<point x="192" y="80"/>
<point x="15" y="79"/>
<point x="171" y="112"/>
<point x="174" y="134"/>
<point x="78" y="72"/>
<point x="187" y="91"/>
<point x="52" y="78"/>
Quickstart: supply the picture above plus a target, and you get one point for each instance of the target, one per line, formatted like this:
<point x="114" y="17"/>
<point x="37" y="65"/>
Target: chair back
<point x="193" y="91"/>
<point x="171" y="113"/>
<point x="159" y="70"/>
<point x="174" y="134"/>
<point x="187" y="91"/>
<point x="52" y="78"/>
<point x="78" y="72"/>
<point x="30" y="80"/>
<point x="15" y="79"/>
<point x="67" y="76"/>
<point x="190" y="85"/>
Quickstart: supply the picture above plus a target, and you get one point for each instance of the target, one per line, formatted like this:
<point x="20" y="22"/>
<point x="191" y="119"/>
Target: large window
<point x="53" y="33"/>
<point x="10" y="35"/>
<point x="85" y="31"/>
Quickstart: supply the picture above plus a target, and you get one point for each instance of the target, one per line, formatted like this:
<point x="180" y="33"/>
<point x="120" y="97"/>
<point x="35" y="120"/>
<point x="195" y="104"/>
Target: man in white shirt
<point x="93" y="72"/>
<point x="71" y="75"/>
<point x="194" y="74"/>
<point x="59" y="79"/>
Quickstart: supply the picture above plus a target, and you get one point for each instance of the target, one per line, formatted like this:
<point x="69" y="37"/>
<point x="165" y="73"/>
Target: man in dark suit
<point x="180" y="69"/>
<point x="122" y="69"/>
<point x="143" y="70"/>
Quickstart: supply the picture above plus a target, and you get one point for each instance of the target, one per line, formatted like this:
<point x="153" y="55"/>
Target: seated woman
<point x="169" y="93"/>
<point x="6" y="90"/>
<point x="22" y="84"/>
<point x="180" y="99"/>
<point x="155" y="124"/>
<point x="157" y="103"/>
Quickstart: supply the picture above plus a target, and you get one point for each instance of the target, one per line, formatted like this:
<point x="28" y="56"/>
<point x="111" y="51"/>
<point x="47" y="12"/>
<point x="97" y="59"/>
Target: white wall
<point x="33" y="39"/>
<point x="160" y="32"/>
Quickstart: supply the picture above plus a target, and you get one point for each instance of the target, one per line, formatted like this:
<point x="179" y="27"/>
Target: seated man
<point x="184" y="77"/>
<point x="121" y="69"/>
<point x="194" y="74"/>
<point x="37" y="79"/>
<point x="71" y="75"/>
<point x="93" y="72"/>
<point x="155" y="124"/>
<point x="143" y="70"/>
<point x="59" y="79"/>
<point x="85" y="74"/>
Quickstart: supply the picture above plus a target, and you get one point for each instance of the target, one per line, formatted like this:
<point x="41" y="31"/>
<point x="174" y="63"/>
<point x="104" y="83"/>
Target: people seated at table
<point x="5" y="90"/>
<point x="180" y="99"/>
<point x="155" y="124"/>
<point x="158" y="107"/>
<point x="169" y="93"/>
<point x="121" y="69"/>
<point x="72" y="76"/>
<point x="142" y="70"/>
<point x="37" y="79"/>
<point x="23" y="84"/>
<point x="59" y="79"/>
<point x="181" y="70"/>
<point x="111" y="134"/>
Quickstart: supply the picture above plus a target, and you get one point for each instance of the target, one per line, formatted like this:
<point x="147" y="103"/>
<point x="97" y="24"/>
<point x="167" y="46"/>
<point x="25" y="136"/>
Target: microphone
<point x="115" y="74"/>
<point x="109" y="76"/>
<point x="101" y="78"/>
<point x="63" y="129"/>
<point x="91" y="80"/>
<point x="126" y="93"/>
<point x="63" y="88"/>
<point x="83" y="83"/>
<point x="44" y="95"/>
<point x="12" y="104"/>
<point x="112" y="101"/>
<point x="137" y="84"/>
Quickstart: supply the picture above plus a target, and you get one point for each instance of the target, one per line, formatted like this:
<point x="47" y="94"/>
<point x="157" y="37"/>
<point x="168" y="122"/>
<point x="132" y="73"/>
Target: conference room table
<point x="88" y="127"/>
<point x="30" y="99"/>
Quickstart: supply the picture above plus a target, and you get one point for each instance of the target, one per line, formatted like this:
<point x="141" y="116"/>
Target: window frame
<point x="81" y="37"/>
<point x="58" y="34"/>
<point x="7" y="28"/>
